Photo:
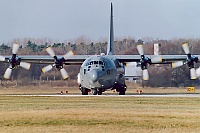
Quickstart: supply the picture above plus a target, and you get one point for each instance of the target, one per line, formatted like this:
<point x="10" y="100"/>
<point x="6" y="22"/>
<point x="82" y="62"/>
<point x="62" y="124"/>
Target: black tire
<point x="100" y="92"/>
<point x="122" y="92"/>
<point x="94" y="91"/>
<point x="84" y="91"/>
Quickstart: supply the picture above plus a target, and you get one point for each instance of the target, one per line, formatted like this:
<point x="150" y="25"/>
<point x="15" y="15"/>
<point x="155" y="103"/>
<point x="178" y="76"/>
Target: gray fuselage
<point x="101" y="72"/>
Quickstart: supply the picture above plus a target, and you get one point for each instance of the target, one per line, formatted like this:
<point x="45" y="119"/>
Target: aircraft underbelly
<point x="104" y="82"/>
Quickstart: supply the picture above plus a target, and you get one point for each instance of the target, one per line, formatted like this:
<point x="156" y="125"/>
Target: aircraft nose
<point x="93" y="74"/>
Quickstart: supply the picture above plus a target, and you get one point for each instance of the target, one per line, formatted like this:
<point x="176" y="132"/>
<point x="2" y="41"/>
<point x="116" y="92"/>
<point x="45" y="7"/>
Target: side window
<point x="84" y="71"/>
<point x="89" y="68"/>
<point x="95" y="62"/>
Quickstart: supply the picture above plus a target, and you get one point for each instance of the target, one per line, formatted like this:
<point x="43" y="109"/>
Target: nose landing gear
<point x="97" y="91"/>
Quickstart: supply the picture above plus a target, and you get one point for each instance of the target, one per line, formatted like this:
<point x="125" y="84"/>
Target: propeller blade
<point x="193" y="74"/>
<point x="2" y="58"/>
<point x="25" y="65"/>
<point x="145" y="74"/>
<point x="140" y="49"/>
<point x="7" y="73"/>
<point x="47" y="68"/>
<point x="64" y="73"/>
<point x="198" y="72"/>
<point x="68" y="54"/>
<point x="15" y="48"/>
<point x="186" y="48"/>
<point x="177" y="64"/>
<point x="156" y="59"/>
<point x="50" y="51"/>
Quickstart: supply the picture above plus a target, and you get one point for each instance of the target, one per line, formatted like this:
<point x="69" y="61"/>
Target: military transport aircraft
<point x="100" y="72"/>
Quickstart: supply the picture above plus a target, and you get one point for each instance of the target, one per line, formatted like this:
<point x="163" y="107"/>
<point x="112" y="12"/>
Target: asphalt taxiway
<point x="75" y="95"/>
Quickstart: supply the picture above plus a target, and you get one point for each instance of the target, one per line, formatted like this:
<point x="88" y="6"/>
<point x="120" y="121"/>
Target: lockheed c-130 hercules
<point x="100" y="72"/>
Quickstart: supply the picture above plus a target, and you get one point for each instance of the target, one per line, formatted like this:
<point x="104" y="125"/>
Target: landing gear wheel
<point x="94" y="91"/>
<point x="100" y="92"/>
<point x="122" y="92"/>
<point x="84" y="91"/>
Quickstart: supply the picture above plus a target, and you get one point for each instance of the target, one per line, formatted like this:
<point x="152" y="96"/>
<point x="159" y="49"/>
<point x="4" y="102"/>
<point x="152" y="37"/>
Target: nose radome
<point x="93" y="74"/>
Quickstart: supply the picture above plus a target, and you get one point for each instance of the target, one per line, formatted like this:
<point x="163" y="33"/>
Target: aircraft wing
<point x="166" y="59"/>
<point x="46" y="59"/>
<point x="79" y="59"/>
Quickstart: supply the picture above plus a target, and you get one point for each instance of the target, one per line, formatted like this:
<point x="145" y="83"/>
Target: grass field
<point x="99" y="114"/>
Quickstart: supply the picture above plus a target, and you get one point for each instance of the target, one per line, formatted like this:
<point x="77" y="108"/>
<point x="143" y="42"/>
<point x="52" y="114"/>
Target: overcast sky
<point x="69" y="19"/>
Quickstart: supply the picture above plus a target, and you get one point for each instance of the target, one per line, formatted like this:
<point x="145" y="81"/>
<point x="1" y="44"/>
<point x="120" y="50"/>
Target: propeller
<point x="145" y="61"/>
<point x="14" y="62"/>
<point x="58" y="62"/>
<point x="191" y="59"/>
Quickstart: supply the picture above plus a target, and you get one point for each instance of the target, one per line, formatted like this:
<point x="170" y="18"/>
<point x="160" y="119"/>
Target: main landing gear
<point x="84" y="91"/>
<point x="120" y="88"/>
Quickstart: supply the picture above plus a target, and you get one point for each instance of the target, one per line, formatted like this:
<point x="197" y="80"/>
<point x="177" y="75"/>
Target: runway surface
<point x="135" y="95"/>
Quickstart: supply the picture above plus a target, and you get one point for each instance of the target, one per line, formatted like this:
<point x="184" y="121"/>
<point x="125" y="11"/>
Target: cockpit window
<point x="100" y="63"/>
<point x="96" y="62"/>
<point x="91" y="63"/>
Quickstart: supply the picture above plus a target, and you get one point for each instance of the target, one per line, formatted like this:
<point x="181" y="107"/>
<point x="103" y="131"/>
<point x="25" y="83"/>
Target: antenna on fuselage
<point x="110" y="46"/>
